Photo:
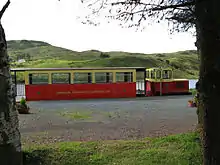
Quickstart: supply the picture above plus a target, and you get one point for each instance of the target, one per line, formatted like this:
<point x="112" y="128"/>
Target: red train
<point x="159" y="81"/>
<point x="87" y="83"/>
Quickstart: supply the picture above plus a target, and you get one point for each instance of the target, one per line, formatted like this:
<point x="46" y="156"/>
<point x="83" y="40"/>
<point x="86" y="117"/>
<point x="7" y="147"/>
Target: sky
<point x="56" y="22"/>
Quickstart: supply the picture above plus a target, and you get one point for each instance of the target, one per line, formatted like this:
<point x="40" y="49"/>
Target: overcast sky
<point x="55" y="22"/>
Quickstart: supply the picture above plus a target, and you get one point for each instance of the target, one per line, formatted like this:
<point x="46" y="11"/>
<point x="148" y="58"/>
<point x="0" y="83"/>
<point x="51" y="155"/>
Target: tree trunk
<point x="199" y="108"/>
<point x="208" y="16"/>
<point x="10" y="145"/>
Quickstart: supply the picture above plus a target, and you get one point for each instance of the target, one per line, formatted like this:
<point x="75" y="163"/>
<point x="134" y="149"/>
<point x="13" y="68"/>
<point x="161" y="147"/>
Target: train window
<point x="119" y="77"/>
<point x="103" y="77"/>
<point x="39" y="78"/>
<point x="128" y="76"/>
<point x="147" y="74"/>
<point x="82" y="78"/>
<point x="167" y="74"/>
<point x="60" y="78"/>
<point x="152" y="74"/>
<point x="124" y="77"/>
<point x="140" y="75"/>
<point x="158" y="74"/>
<point x="170" y="74"/>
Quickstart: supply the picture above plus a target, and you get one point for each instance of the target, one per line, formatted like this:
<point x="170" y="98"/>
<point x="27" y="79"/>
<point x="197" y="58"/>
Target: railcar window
<point x="82" y="78"/>
<point x="158" y="74"/>
<point x="103" y="77"/>
<point x="152" y="74"/>
<point x="170" y="74"/>
<point x="60" y="78"/>
<point x="147" y="74"/>
<point x="140" y="75"/>
<point x="124" y="77"/>
<point x="109" y="77"/>
<point x="128" y="76"/>
<point x="167" y="74"/>
<point x="119" y="77"/>
<point x="39" y="78"/>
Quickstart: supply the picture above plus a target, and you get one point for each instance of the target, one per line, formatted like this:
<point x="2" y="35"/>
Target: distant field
<point x="44" y="55"/>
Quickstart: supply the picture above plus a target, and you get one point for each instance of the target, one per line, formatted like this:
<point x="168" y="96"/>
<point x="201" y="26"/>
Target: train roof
<point x="92" y="68"/>
<point x="159" y="68"/>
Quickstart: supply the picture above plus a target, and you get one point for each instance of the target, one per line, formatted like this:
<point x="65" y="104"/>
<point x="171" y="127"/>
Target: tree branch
<point x="183" y="20"/>
<point x="173" y="6"/>
<point x="4" y="8"/>
<point x="133" y="12"/>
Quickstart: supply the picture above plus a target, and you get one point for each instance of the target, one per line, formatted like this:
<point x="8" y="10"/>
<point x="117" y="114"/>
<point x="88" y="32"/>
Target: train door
<point x="140" y="83"/>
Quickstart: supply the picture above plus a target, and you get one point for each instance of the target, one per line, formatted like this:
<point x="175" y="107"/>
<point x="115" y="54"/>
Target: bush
<point x="168" y="62"/>
<point x="104" y="55"/>
<point x="22" y="107"/>
<point x="23" y="101"/>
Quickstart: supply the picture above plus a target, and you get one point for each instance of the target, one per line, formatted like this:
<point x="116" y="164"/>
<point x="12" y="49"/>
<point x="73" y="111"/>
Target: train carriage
<point x="79" y="83"/>
<point x="91" y="83"/>
<point x="160" y="81"/>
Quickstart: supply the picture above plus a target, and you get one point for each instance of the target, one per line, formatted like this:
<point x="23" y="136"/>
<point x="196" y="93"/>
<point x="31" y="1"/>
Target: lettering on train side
<point x="75" y="92"/>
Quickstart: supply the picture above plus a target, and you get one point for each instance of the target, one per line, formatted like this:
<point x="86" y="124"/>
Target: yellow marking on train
<point x="133" y="71"/>
<point x="64" y="92"/>
<point x="75" y="92"/>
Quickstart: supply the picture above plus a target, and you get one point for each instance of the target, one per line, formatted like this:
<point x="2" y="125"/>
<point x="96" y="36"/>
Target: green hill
<point x="41" y="54"/>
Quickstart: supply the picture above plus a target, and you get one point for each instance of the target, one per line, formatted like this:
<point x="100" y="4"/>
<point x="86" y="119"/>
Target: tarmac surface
<point x="107" y="119"/>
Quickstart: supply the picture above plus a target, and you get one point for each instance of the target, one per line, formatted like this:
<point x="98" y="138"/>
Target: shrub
<point x="22" y="107"/>
<point x="23" y="101"/>
<point x="104" y="55"/>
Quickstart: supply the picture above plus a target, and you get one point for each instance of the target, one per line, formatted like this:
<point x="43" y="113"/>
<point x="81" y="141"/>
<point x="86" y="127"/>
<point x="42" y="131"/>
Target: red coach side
<point x="79" y="84"/>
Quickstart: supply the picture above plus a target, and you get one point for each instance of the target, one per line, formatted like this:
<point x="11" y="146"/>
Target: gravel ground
<point x="109" y="119"/>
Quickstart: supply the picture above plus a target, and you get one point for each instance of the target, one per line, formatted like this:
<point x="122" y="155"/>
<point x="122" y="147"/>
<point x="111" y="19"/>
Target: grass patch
<point x="77" y="115"/>
<point x="181" y="149"/>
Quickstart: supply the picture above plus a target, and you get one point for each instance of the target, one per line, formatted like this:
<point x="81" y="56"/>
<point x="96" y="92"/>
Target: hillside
<point x="41" y="54"/>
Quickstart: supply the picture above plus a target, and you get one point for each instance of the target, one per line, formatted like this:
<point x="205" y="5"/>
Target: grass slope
<point x="40" y="54"/>
<point x="183" y="149"/>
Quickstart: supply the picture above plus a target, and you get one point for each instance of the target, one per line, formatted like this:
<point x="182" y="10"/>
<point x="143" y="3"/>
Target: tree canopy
<point x="180" y="14"/>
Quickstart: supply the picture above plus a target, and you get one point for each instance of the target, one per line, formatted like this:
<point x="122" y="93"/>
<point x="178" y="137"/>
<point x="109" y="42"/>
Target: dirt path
<point x="108" y="119"/>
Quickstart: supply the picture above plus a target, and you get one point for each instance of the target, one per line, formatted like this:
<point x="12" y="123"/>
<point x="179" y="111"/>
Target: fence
<point x="20" y="91"/>
<point x="140" y="87"/>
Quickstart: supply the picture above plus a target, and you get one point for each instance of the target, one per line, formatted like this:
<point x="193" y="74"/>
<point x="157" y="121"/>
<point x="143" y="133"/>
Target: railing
<point x="140" y="87"/>
<point x="192" y="83"/>
<point x="20" y="91"/>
